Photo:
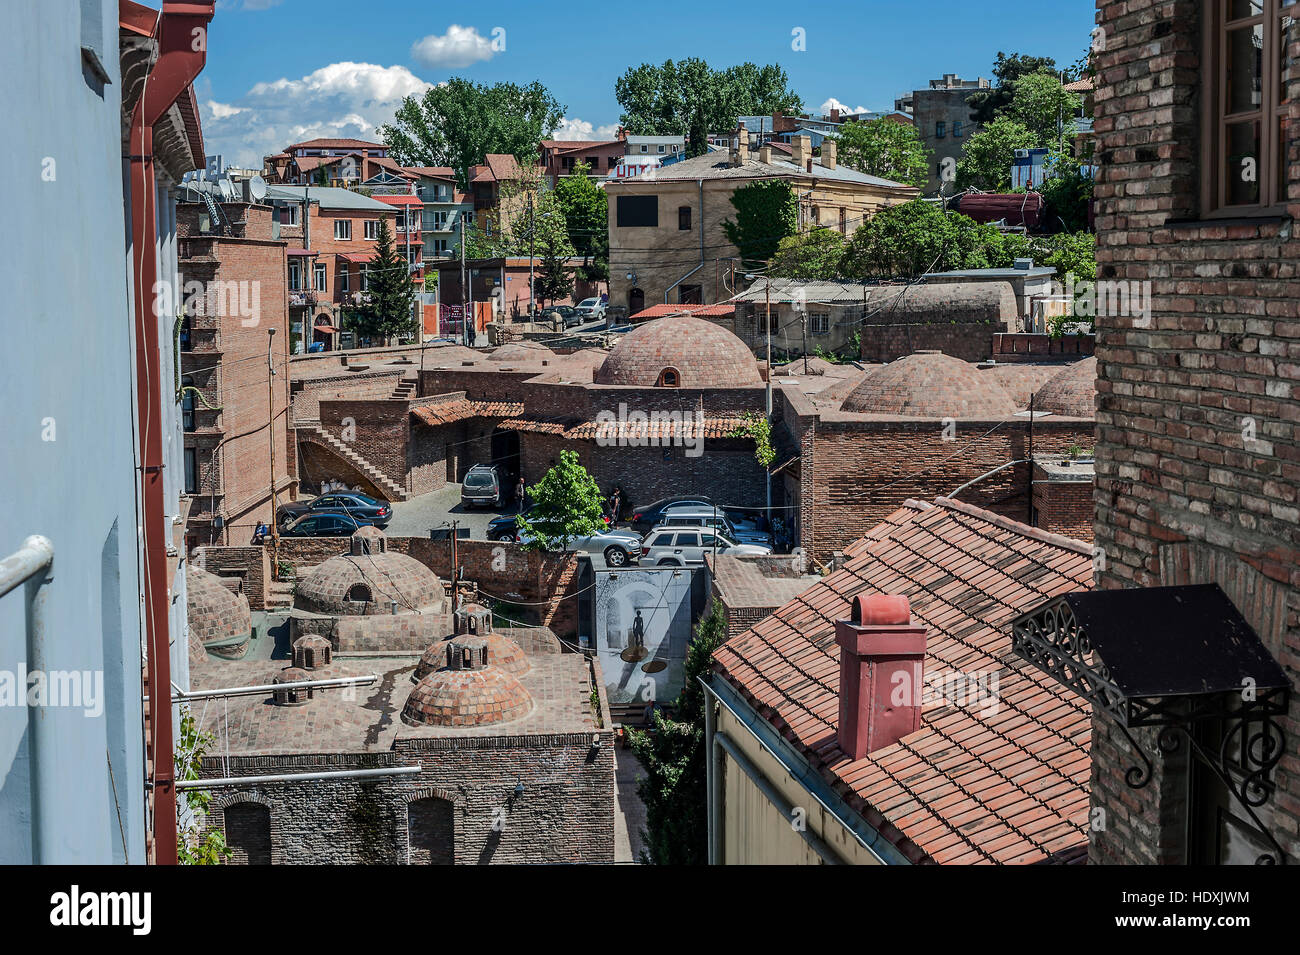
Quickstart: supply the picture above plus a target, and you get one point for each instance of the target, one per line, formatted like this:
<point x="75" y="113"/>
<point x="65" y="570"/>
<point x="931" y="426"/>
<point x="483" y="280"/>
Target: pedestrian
<point x="520" y="490"/>
<point x="259" y="535"/>
<point x="615" y="505"/>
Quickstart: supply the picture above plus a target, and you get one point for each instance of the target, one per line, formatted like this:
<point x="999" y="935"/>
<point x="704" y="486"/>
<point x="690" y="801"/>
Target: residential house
<point x="560" y="157"/>
<point x="666" y="238"/>
<point x="328" y="162"/>
<point x="879" y="717"/>
<point x="499" y="177"/>
<point x="93" y="447"/>
<point x="445" y="208"/>
<point x="1198" y="457"/>
<point x="944" y="122"/>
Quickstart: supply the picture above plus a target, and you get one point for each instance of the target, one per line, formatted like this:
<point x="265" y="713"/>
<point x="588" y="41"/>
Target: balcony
<point x="301" y="298"/>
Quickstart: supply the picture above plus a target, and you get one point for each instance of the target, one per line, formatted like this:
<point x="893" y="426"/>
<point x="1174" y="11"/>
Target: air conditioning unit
<point x="1021" y="153"/>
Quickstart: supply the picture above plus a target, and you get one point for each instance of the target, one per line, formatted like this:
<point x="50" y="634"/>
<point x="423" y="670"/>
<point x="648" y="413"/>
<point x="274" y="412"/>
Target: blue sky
<point x="280" y="71"/>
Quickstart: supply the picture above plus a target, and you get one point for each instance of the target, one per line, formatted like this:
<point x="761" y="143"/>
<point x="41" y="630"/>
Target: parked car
<point x="591" y="309"/>
<point x="482" y="485"/>
<point x="324" y="524"/>
<point x="676" y="546"/>
<point x="644" y="518"/>
<point x="567" y="313"/>
<point x="361" y="506"/>
<point x="618" y="547"/>
<point x="686" y="515"/>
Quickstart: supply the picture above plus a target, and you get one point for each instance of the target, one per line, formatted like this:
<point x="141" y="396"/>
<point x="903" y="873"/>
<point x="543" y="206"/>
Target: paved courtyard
<point x="437" y="509"/>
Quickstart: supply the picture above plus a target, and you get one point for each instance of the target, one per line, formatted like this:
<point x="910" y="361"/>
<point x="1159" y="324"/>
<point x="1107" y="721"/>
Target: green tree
<point x="567" y="504"/>
<point x="766" y="212"/>
<point x="586" y="218"/>
<point x="884" y="148"/>
<point x="458" y="122"/>
<point x="688" y="97"/>
<point x="810" y="255"/>
<point x="672" y="753"/>
<point x="910" y="239"/>
<point x="1044" y="107"/>
<point x="192" y="745"/>
<point x="986" y="158"/>
<point x="987" y="104"/>
<point x="553" y="250"/>
<point x="1067" y="192"/>
<point x="389" y="301"/>
<point x="1069" y="253"/>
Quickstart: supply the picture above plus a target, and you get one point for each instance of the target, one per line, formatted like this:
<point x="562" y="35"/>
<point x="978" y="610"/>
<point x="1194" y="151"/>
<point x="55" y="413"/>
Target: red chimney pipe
<point x="181" y="31"/>
<point x="881" y="665"/>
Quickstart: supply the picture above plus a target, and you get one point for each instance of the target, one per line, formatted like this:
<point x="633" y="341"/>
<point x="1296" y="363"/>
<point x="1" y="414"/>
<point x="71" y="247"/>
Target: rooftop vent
<point x="285" y="693"/>
<point x="881" y="667"/>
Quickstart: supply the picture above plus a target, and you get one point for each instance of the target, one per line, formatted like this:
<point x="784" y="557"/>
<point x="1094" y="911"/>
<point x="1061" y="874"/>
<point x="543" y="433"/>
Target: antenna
<point x="257" y="186"/>
<point x="227" y="189"/>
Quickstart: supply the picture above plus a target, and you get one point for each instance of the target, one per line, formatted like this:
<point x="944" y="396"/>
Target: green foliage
<point x="389" y="301"/>
<point x="192" y="745"/>
<point x="1067" y="252"/>
<point x="809" y="255"/>
<point x="985" y="161"/>
<point x="672" y="753"/>
<point x="910" y="239"/>
<point x="459" y="122"/>
<point x="759" y="428"/>
<point x="1067" y="192"/>
<point x="688" y="97"/>
<point x="567" y="504"/>
<point x="766" y="212"/>
<point x="1044" y="107"/>
<point x="1007" y="70"/>
<point x="585" y="207"/>
<point x="882" y="147"/>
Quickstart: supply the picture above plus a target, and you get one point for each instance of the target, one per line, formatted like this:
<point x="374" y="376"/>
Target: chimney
<point x="835" y="115"/>
<point x="802" y="150"/>
<point x="765" y="154"/>
<point x="828" y="153"/>
<point x="881" y="665"/>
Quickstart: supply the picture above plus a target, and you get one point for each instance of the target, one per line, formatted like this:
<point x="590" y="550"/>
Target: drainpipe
<point x="181" y="35"/>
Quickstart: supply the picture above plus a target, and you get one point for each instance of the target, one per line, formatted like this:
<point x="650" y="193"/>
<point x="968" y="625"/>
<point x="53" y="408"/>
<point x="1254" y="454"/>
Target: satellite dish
<point x="227" y="189"/>
<point x="257" y="186"/>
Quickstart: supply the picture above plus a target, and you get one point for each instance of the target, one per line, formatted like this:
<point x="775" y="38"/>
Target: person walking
<point x="520" y="490"/>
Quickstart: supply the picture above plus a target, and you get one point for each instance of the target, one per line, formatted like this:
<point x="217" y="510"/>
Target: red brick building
<point x="560" y="157"/>
<point x="328" y="162"/>
<point x="234" y="410"/>
<point x="1198" y="455"/>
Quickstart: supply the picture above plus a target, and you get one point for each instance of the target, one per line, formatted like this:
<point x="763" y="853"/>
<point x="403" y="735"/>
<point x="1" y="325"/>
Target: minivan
<point x="482" y="485"/>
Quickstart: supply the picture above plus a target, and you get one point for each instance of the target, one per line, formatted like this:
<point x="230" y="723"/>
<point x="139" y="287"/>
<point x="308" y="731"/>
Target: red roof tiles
<point x="985" y="780"/>
<point x="459" y="409"/>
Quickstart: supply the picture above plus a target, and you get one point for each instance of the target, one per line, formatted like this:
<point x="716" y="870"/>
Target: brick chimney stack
<point x="801" y="147"/>
<point x="881" y="667"/>
<point x="828" y="153"/>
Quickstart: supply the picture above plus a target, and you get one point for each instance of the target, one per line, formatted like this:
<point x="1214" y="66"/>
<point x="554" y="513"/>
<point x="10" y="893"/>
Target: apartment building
<point x="562" y="157"/>
<point x="944" y="122"/>
<point x="445" y="207"/>
<point x="328" y="162"/>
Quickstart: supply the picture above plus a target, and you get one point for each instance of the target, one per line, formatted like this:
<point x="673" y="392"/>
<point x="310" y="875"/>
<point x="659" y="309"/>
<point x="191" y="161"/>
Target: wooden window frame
<point x="1272" y="108"/>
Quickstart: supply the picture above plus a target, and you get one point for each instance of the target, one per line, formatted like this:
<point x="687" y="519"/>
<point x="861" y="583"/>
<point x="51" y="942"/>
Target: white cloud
<point x="581" y="129"/>
<point x="341" y="100"/>
<point x="459" y="46"/>
<point x="247" y="4"/>
<point x="833" y="103"/>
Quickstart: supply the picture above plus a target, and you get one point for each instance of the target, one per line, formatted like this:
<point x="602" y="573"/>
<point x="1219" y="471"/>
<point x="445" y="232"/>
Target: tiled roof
<point x="503" y="167"/>
<point x="460" y="409"/>
<point x="335" y="144"/>
<point x="1081" y="85"/>
<point x="533" y="426"/>
<point x="977" y="783"/>
<point x="713" y="427"/>
<point x="661" y="310"/>
<point x="433" y="172"/>
<point x="717" y="165"/>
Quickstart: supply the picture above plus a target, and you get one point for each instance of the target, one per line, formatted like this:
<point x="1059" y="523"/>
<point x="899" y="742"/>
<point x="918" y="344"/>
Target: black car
<point x="504" y="527"/>
<point x="646" y="518"/>
<point x="324" y="524"/>
<point x="361" y="506"/>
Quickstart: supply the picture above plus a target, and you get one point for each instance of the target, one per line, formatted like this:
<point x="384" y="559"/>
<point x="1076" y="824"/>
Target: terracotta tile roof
<point x="335" y="144"/>
<point x="978" y="783"/>
<point x="1082" y="85"/>
<point x="503" y="167"/>
<point x="661" y="310"/>
<point x="459" y="409"/>
<point x="533" y="426"/>
<point x="687" y="427"/>
<point x="433" y="172"/>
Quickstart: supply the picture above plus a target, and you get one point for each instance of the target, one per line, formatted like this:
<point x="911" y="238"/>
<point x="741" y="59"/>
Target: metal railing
<point x="32" y="565"/>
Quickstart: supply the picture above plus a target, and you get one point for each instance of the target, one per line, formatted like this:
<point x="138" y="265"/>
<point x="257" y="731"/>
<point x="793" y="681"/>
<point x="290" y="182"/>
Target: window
<point x="1244" y="155"/>
<point x="320" y="277"/>
<point x="956" y="129"/>
<point x="661" y="147"/>
<point x="345" y="278"/>
<point x="187" y="403"/>
<point x="645" y="148"/>
<point x="819" y="323"/>
<point x="343" y="229"/>
<point x="683" y="218"/>
<point x="288" y="215"/>
<point x="358" y="593"/>
<point x="688" y="540"/>
<point x="295" y="275"/>
<point x="248" y="833"/>
<point x="816" y="214"/>
<point x="674" y="147"/>
<point x="637" y="212"/>
<point x="669" y="378"/>
<point x="191" y="471"/>
<point x="365" y="278"/>
<point x="939" y="130"/>
<point x="440" y="221"/>
<point x="372" y="229"/>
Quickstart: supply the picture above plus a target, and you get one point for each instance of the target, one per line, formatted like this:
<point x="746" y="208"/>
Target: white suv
<point x="677" y="546"/>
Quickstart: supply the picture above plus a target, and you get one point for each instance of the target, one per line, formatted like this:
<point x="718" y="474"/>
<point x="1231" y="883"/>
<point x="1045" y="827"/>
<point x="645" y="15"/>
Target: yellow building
<point x="666" y="240"/>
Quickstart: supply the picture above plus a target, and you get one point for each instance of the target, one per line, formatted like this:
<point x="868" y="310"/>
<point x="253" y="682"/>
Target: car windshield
<point x="478" y="480"/>
<point x="587" y="303"/>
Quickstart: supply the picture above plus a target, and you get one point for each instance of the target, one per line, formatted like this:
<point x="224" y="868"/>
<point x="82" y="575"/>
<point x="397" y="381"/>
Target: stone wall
<point x="251" y="565"/>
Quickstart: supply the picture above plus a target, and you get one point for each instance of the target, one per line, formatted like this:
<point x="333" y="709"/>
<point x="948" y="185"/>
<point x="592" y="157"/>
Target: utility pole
<point x="270" y="420"/>
<point x="464" y="337"/>
<point x="531" y="306"/>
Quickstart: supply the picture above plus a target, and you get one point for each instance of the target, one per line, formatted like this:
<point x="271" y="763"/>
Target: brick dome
<point x="522" y="351"/>
<point x="702" y="354"/>
<point x="1071" y="391"/>
<point x="929" y="384"/>
<point x="502" y="652"/>
<point x="215" y="614"/>
<point x="471" y="690"/>
<point x="311" y="651"/>
<point x="350" y="585"/>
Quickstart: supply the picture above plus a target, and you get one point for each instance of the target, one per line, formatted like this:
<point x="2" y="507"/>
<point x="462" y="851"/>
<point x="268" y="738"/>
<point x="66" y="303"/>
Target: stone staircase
<point x="392" y="490"/>
<point x="406" y="389"/>
<point x="279" y="595"/>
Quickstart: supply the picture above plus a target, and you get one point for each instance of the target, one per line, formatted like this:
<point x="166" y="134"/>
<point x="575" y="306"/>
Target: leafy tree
<point x="1067" y="252"/>
<point x="985" y="161"/>
<point x="1067" y="192"/>
<point x="882" y="147"/>
<point x="389" y="300"/>
<point x="766" y="212"/>
<point x="1043" y="106"/>
<point x="192" y="745"/>
<point x="672" y="753"/>
<point x="457" y="123"/>
<point x="916" y="237"/>
<point x="986" y="105"/>
<point x="586" y="218"/>
<point x="567" y="504"/>
<point x="553" y="249"/>
<point x="809" y="255"/>
<point x="687" y="97"/>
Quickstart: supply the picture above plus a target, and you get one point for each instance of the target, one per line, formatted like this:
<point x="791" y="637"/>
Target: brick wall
<point x="1197" y="452"/>
<point x="251" y="565"/>
<point x="1063" y="507"/>
<point x="1026" y="346"/>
